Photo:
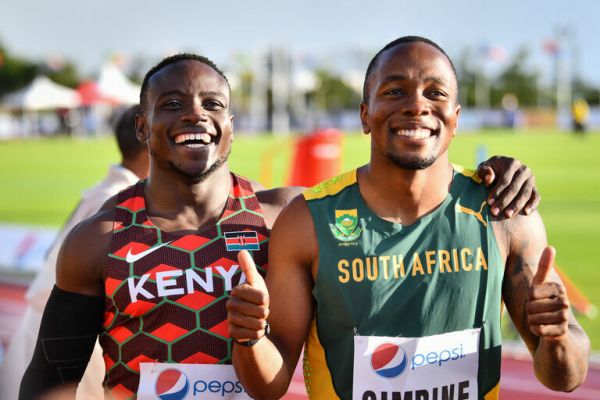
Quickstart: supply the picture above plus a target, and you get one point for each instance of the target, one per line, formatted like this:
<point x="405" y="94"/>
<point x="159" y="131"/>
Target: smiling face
<point x="412" y="109"/>
<point x="187" y="120"/>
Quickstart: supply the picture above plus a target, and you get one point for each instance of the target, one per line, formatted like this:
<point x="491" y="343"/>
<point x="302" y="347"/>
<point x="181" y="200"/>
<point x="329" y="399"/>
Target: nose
<point x="415" y="105"/>
<point x="194" y="114"/>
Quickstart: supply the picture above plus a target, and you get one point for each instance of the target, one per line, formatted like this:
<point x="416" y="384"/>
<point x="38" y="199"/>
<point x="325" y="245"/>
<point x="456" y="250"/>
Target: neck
<point x="177" y="203"/>
<point x="403" y="195"/>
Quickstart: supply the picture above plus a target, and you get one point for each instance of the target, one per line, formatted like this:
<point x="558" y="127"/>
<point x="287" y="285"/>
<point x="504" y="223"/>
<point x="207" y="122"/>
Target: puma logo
<point x="477" y="214"/>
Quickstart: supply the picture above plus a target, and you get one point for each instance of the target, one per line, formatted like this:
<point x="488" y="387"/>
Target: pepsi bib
<point x="435" y="367"/>
<point x="168" y="381"/>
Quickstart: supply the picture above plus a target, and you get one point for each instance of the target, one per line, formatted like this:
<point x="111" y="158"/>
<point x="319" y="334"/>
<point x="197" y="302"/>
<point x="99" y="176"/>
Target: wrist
<point x="252" y="342"/>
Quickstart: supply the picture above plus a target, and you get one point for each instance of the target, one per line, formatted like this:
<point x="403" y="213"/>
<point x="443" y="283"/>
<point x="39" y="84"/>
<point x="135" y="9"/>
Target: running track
<point x="517" y="383"/>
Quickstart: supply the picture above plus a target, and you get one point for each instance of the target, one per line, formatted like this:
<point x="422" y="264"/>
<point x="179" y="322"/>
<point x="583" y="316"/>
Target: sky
<point x="88" y="32"/>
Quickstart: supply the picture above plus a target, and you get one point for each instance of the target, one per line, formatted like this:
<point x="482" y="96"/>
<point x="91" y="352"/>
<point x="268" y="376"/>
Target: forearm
<point x="68" y="330"/>
<point x="262" y="370"/>
<point x="562" y="364"/>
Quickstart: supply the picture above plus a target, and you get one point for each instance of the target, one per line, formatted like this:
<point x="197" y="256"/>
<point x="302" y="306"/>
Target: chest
<point x="383" y="271"/>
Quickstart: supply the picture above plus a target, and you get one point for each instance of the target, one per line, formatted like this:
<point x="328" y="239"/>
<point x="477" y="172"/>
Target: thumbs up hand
<point x="248" y="306"/>
<point x="547" y="306"/>
<point x="253" y="277"/>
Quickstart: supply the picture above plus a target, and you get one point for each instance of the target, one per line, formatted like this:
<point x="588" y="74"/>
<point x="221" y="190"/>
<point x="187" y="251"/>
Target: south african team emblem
<point x="346" y="225"/>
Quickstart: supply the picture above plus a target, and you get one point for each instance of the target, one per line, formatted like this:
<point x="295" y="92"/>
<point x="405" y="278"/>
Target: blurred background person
<point x="580" y="113"/>
<point x="134" y="166"/>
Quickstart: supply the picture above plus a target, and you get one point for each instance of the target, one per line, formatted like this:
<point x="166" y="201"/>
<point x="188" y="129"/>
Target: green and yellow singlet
<point x="395" y="303"/>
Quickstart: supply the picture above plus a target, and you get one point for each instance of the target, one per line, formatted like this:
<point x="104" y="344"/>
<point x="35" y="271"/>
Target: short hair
<point x="129" y="145"/>
<point x="401" y="40"/>
<point x="172" y="60"/>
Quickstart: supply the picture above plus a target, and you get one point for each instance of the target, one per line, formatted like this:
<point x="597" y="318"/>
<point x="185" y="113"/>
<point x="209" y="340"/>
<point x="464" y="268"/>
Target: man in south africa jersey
<point x="393" y="275"/>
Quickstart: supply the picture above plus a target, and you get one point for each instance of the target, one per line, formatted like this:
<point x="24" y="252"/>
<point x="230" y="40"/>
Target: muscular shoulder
<point x="293" y="234"/>
<point x="295" y="210"/>
<point x="83" y="252"/>
<point x="516" y="236"/>
<point x="272" y="201"/>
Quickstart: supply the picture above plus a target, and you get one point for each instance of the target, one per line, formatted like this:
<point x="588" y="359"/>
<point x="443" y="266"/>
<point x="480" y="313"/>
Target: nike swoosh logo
<point x="130" y="258"/>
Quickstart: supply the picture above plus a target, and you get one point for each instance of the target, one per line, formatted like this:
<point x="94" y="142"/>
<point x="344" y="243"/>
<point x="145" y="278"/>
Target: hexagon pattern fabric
<point x="166" y="292"/>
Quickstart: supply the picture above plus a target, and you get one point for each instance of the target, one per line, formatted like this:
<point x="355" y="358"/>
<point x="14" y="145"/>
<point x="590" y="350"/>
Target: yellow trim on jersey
<point x="336" y="184"/>
<point x="469" y="173"/>
<point x="331" y="186"/>
<point x="317" y="378"/>
<point x="493" y="394"/>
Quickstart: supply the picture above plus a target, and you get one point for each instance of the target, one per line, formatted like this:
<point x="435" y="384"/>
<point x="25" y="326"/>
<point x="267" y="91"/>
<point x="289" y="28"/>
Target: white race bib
<point x="164" y="381"/>
<point x="434" y="367"/>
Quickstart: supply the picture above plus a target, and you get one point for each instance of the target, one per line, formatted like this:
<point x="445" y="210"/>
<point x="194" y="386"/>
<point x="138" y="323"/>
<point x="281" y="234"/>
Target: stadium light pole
<point x="482" y="86"/>
<point x="280" y="89"/>
<point x="563" y="75"/>
<point x="258" y="92"/>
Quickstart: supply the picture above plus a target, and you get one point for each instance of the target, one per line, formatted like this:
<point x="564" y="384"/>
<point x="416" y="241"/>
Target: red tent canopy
<point x="90" y="94"/>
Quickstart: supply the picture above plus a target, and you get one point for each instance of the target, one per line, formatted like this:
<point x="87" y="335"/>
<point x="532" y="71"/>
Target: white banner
<point x="166" y="381"/>
<point x="434" y="367"/>
<point x="24" y="248"/>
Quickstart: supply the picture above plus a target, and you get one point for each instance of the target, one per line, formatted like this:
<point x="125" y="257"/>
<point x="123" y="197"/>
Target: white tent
<point x="42" y="94"/>
<point x="114" y="84"/>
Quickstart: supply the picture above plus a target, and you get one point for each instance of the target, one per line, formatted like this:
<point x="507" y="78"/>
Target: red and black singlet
<point x="166" y="292"/>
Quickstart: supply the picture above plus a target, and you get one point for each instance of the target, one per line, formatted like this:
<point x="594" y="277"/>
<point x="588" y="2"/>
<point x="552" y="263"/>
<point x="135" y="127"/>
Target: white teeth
<point x="202" y="137"/>
<point x="415" y="133"/>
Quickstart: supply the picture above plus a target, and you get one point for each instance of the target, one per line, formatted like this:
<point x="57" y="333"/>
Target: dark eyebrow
<point x="214" y="94"/>
<point x="177" y="92"/>
<point x="392" y="78"/>
<point x="434" y="79"/>
<point x="170" y="93"/>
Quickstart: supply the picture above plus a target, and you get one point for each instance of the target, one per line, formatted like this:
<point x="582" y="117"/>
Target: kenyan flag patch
<point x="244" y="240"/>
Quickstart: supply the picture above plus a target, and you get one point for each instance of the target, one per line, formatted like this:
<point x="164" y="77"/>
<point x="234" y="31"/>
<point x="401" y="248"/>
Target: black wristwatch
<point x="252" y="342"/>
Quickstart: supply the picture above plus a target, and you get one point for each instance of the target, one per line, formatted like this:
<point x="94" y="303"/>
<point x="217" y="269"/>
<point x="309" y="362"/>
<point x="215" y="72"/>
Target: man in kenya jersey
<point x="151" y="271"/>
<point x="159" y="297"/>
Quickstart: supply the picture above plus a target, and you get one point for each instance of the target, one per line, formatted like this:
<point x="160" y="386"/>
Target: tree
<point x="334" y="94"/>
<point x="15" y="72"/>
<point x="66" y="74"/>
<point x="467" y="76"/>
<point x="586" y="91"/>
<point x="518" y="80"/>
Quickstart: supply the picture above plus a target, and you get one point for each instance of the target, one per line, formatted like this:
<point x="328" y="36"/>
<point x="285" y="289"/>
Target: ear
<point x="457" y="111"/>
<point x="364" y="117"/>
<point x="231" y="122"/>
<point x="141" y="127"/>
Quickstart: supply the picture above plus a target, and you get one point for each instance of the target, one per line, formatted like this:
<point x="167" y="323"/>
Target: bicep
<point x="81" y="258"/>
<point x="292" y="249"/>
<point x="525" y="238"/>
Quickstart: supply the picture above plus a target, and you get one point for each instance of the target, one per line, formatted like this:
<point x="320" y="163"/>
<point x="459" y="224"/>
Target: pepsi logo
<point x="389" y="360"/>
<point x="172" y="384"/>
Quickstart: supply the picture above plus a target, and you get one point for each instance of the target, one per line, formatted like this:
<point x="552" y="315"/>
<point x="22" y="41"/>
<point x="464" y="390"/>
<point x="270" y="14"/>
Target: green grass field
<point x="41" y="181"/>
